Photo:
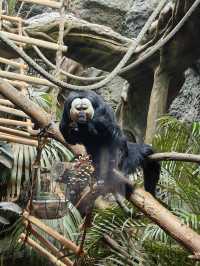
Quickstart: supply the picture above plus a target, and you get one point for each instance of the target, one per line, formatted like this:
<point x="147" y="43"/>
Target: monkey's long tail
<point x="138" y="157"/>
<point x="151" y="171"/>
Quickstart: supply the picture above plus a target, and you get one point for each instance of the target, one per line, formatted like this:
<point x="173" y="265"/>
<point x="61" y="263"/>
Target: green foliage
<point x="141" y="241"/>
<point x="179" y="189"/>
<point x="6" y="163"/>
<point x="123" y="229"/>
<point x="24" y="157"/>
<point x="11" y="7"/>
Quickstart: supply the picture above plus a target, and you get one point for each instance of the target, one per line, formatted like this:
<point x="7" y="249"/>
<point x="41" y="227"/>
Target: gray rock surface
<point x="136" y="17"/>
<point x="128" y="18"/>
<point x="106" y="12"/>
<point x="187" y="105"/>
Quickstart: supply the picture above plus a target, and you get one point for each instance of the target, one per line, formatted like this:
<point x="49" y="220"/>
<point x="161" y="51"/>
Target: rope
<point x="163" y="41"/>
<point x="115" y="72"/>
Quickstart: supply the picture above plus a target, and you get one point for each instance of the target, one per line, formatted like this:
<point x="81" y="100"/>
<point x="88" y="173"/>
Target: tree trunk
<point x="158" y="101"/>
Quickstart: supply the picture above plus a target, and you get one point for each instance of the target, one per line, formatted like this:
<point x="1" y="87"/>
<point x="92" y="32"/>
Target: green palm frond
<point x="41" y="98"/>
<point x="6" y="163"/>
<point x="11" y="6"/>
<point x="179" y="189"/>
<point x="24" y="157"/>
<point x="113" y="222"/>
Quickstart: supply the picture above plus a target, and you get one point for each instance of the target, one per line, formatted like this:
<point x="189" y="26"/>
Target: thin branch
<point x="114" y="245"/>
<point x="175" y="156"/>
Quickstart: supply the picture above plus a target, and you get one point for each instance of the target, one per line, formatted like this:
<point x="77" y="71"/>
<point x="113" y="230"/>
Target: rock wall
<point x="128" y="17"/>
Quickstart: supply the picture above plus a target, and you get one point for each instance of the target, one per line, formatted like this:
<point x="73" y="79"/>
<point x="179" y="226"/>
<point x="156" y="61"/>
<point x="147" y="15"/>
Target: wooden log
<point x="25" y="78"/>
<point x="12" y="138"/>
<point x="65" y="242"/>
<point x="12" y="111"/>
<point x="54" y="251"/>
<point x="13" y="63"/>
<point x="34" y="41"/>
<point x="15" y="132"/>
<point x="48" y="3"/>
<point x="41" y="250"/>
<point x="12" y="122"/>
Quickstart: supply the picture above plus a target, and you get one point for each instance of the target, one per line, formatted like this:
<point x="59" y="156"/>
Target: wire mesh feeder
<point x="65" y="183"/>
<point x="49" y="201"/>
<point x="78" y="178"/>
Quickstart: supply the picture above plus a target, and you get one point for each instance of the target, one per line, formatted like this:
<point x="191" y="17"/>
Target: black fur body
<point x="106" y="144"/>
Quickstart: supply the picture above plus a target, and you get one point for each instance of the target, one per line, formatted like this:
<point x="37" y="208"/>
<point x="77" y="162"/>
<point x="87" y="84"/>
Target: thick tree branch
<point x="166" y="220"/>
<point x="146" y="203"/>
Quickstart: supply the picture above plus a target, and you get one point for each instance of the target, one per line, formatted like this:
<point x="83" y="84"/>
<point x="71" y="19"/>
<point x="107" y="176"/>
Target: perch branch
<point x="34" y="41"/>
<point x="164" y="218"/>
<point x="21" y="140"/>
<point x="41" y="250"/>
<point x="15" y="132"/>
<point x="175" y="156"/>
<point x="25" y="78"/>
<point x="152" y="209"/>
<point x="11" y="122"/>
<point x="65" y="242"/>
<point x="13" y="63"/>
<point x="54" y="251"/>
<point x="48" y="3"/>
<point x="12" y="111"/>
<point x="6" y="102"/>
<point x="31" y="109"/>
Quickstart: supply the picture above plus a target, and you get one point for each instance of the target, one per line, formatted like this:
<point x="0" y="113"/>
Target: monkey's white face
<point x="81" y="110"/>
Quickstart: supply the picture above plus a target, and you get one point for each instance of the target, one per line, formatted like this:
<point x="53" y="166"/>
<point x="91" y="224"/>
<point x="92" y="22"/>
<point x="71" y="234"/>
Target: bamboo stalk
<point x="48" y="3"/>
<point x="54" y="251"/>
<point x="11" y="18"/>
<point x="15" y="132"/>
<point x="13" y="63"/>
<point x="41" y="250"/>
<point x="28" y="79"/>
<point x="6" y="102"/>
<point x="18" y="84"/>
<point x="12" y="111"/>
<point x="34" y="111"/>
<point x="12" y="122"/>
<point x="65" y="242"/>
<point x="21" y="140"/>
<point x="34" y="41"/>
